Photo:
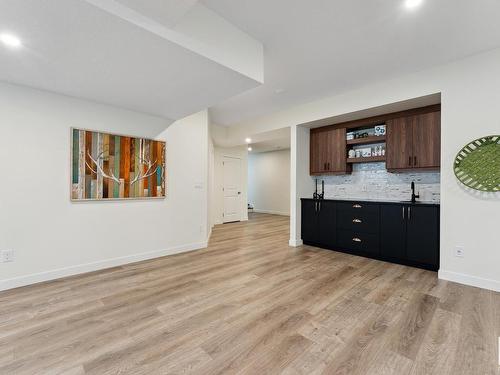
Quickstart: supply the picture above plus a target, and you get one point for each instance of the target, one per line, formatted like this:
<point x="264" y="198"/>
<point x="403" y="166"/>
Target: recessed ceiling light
<point x="248" y="140"/>
<point x="410" y="4"/>
<point x="10" y="40"/>
<point x="249" y="149"/>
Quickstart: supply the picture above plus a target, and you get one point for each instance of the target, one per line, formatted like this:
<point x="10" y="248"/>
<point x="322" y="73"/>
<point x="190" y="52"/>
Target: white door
<point x="232" y="189"/>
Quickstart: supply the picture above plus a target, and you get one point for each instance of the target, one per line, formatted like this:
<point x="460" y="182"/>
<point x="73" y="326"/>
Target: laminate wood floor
<point x="250" y="304"/>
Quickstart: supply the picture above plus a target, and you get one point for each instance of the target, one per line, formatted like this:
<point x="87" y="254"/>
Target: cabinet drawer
<point x="358" y="221"/>
<point x="359" y="207"/>
<point x="353" y="240"/>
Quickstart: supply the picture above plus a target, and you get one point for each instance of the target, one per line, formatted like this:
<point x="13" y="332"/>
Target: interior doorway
<point x="269" y="176"/>
<point x="232" y="189"/>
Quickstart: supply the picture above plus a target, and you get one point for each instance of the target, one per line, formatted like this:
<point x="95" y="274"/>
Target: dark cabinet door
<point x="422" y="235"/>
<point x="393" y="231"/>
<point x="427" y="140"/>
<point x="315" y="151"/>
<point x="337" y="154"/>
<point x="320" y="149"/>
<point x="309" y="221"/>
<point x="414" y="141"/>
<point x="399" y="153"/>
<point x="327" y="226"/>
<point x="328" y="151"/>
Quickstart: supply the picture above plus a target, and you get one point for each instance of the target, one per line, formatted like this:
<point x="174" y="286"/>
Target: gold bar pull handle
<point x="356" y="239"/>
<point x="357" y="221"/>
<point x="356" y="205"/>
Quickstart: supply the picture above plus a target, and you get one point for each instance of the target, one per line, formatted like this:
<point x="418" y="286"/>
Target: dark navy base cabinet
<point x="402" y="233"/>
<point x="319" y="222"/>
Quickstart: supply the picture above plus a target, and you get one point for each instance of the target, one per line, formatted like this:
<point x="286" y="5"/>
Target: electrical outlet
<point x="459" y="251"/>
<point x="7" y="256"/>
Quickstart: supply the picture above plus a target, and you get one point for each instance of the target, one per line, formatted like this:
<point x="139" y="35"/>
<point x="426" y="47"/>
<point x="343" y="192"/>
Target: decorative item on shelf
<point x="366" y="152"/>
<point x="350" y="136"/>
<point x="361" y="135"/>
<point x="378" y="151"/>
<point x="477" y="165"/>
<point x="358" y="153"/>
<point x="379" y="130"/>
<point x="108" y="166"/>
<point x="352" y="154"/>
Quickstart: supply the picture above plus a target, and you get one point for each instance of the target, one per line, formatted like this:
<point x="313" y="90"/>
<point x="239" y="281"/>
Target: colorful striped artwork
<point x="107" y="166"/>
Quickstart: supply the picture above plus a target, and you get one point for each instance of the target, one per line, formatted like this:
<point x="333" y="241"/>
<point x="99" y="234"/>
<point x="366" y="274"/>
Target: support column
<point x="301" y="184"/>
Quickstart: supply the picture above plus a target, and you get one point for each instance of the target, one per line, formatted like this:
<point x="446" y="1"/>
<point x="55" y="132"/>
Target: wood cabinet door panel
<point x="399" y="153"/>
<point x="337" y="155"/>
<point x="427" y="140"/>
<point x="315" y="159"/>
<point x="328" y="151"/>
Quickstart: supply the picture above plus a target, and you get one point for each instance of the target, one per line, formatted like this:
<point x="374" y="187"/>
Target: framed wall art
<point x="112" y="167"/>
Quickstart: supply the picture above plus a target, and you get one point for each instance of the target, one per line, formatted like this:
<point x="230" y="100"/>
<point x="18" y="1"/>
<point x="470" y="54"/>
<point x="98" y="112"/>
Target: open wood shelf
<point x="368" y="159"/>
<point x="366" y="140"/>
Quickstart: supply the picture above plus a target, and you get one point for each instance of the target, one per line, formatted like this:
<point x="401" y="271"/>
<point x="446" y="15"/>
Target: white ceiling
<point x="167" y="12"/>
<point x="316" y="48"/>
<point x="271" y="145"/>
<point x="274" y="140"/>
<point x="125" y="53"/>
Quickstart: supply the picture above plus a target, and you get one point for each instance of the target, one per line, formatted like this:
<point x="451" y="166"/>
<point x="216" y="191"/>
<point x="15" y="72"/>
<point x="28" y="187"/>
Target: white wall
<point x="269" y="182"/>
<point x="211" y="183"/>
<point x="235" y="152"/>
<point x="470" y="93"/>
<point x="53" y="237"/>
<point x="301" y="184"/>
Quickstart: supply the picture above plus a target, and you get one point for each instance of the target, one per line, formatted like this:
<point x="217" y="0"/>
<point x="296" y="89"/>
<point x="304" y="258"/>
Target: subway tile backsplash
<point x="372" y="181"/>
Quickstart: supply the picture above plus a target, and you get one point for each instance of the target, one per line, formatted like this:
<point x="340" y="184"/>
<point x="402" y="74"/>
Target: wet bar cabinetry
<point x="412" y="142"/>
<point x="398" y="232"/>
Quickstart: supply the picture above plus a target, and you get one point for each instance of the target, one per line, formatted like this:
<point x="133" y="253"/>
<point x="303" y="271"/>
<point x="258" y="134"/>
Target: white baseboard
<point x="260" y="211"/>
<point x="295" y="243"/>
<point x="95" y="266"/>
<point x="478" y="282"/>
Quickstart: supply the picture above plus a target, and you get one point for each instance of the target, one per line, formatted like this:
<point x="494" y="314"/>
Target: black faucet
<point x="413" y="196"/>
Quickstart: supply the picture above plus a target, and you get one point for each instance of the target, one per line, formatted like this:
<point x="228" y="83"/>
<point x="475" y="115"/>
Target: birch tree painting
<point x="106" y="166"/>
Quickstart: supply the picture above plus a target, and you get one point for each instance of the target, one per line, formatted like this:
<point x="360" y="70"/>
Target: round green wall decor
<point x="477" y="165"/>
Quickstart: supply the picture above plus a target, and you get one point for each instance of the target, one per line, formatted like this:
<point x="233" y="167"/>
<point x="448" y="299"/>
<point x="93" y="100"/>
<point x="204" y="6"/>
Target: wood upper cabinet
<point x="427" y="140"/>
<point x="318" y="152"/>
<point x="414" y="142"/>
<point x="399" y="149"/>
<point x="328" y="153"/>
